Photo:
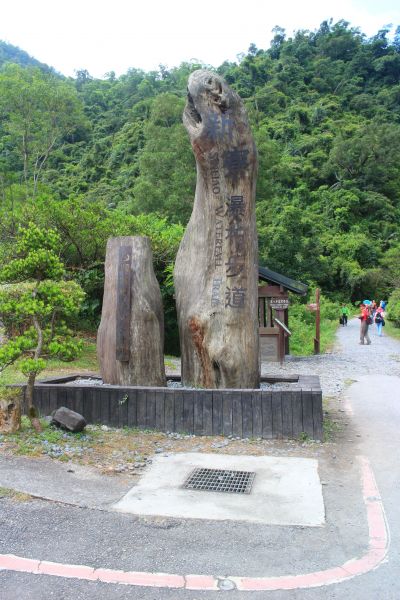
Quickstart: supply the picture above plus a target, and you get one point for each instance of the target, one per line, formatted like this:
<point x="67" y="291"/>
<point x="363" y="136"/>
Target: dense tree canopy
<point x="94" y="157"/>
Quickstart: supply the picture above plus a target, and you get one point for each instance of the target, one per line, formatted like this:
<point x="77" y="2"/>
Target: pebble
<point x="220" y="444"/>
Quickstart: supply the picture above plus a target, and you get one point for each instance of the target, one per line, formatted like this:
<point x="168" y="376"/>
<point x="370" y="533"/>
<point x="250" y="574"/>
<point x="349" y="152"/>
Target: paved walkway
<point x="85" y="554"/>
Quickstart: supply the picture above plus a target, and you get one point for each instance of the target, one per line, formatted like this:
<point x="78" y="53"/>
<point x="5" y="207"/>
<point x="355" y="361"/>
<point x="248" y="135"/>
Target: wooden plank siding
<point x="268" y="414"/>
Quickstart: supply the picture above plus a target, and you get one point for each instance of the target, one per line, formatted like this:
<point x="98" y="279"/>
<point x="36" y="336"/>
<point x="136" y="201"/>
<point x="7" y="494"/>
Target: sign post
<point x="317" y="345"/>
<point x="315" y="307"/>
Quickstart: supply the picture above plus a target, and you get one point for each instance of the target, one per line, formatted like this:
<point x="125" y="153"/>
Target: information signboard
<point x="279" y="303"/>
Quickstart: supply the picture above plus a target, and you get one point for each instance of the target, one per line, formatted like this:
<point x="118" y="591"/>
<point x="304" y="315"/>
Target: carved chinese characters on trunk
<point x="216" y="267"/>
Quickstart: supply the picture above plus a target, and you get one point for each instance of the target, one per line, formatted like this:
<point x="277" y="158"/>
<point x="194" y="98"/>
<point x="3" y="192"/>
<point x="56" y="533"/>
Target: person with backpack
<point x="379" y="320"/>
<point x="366" y="321"/>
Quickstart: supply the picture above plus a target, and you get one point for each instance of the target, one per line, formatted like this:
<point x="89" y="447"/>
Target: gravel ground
<point x="345" y="363"/>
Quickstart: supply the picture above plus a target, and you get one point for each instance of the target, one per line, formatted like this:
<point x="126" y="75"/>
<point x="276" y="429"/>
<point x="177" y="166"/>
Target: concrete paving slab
<point x="61" y="482"/>
<point x="286" y="491"/>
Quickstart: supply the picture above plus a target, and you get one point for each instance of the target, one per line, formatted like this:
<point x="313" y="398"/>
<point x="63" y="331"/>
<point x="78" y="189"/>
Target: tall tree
<point x="37" y="111"/>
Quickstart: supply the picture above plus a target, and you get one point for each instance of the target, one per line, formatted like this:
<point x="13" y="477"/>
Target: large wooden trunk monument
<point x="216" y="269"/>
<point x="130" y="339"/>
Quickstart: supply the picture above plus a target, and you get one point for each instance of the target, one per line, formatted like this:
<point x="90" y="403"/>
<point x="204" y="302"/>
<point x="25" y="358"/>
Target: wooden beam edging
<point x="245" y="413"/>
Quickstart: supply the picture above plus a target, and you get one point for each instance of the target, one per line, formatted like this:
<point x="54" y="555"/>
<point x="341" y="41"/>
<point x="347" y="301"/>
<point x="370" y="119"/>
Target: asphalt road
<point x="67" y="534"/>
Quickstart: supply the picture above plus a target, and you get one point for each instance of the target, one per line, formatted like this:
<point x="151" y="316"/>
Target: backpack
<point x="369" y="320"/>
<point x="378" y="318"/>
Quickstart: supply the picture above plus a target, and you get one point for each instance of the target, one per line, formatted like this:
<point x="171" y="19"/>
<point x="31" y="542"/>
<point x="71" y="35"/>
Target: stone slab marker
<point x="130" y="339"/>
<point x="216" y="270"/>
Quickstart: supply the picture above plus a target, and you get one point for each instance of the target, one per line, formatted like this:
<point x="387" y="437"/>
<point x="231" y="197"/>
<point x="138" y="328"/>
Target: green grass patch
<point x="87" y="361"/>
<point x="391" y="330"/>
<point x="13" y="495"/>
<point x="52" y="441"/>
<point x="303" y="333"/>
<point x="169" y="361"/>
<point x="330" y="428"/>
<point x="302" y="326"/>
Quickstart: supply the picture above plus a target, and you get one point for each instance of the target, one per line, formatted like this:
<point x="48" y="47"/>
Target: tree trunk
<point x="10" y="410"/>
<point x="216" y="270"/>
<point x="130" y="339"/>
<point x="31" y="409"/>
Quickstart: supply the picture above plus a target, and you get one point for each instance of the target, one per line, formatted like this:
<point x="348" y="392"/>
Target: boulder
<point x="68" y="419"/>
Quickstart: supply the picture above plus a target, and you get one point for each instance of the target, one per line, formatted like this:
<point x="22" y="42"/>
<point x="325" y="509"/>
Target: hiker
<point x="365" y="321"/>
<point x="379" y="320"/>
<point x="345" y="315"/>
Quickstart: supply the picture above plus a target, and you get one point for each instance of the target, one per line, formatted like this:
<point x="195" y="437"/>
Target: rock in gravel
<point x="66" y="418"/>
<point x="220" y="444"/>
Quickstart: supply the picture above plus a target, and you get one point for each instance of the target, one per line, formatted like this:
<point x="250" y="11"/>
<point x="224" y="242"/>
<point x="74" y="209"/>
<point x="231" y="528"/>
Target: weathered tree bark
<point x="130" y="339"/>
<point x="10" y="410"/>
<point x="30" y="384"/>
<point x="216" y="270"/>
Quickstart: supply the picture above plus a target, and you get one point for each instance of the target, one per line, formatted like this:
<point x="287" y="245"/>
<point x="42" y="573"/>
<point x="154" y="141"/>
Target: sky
<point x="115" y="35"/>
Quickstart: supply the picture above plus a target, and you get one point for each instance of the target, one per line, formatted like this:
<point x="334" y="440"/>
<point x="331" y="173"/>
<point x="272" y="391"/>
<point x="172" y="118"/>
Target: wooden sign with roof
<point x="273" y="315"/>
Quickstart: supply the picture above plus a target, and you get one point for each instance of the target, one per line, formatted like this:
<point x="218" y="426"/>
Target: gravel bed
<point x="85" y="381"/>
<point x="178" y="385"/>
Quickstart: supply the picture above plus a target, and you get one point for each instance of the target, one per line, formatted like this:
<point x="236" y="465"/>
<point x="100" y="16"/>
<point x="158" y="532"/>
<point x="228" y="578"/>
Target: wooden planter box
<point x="268" y="414"/>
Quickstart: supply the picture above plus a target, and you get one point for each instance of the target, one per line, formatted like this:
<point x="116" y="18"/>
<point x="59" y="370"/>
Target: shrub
<point x="34" y="302"/>
<point x="393" y="310"/>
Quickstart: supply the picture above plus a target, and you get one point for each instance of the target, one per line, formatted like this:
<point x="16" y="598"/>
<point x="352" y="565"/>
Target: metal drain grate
<point x="220" y="480"/>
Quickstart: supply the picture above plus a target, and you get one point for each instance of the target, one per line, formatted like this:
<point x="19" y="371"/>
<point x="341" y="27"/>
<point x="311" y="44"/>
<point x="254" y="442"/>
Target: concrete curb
<point x="379" y="542"/>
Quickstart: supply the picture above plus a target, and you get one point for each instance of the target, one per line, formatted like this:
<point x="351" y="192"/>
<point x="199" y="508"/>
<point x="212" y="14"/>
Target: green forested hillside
<point x="13" y="54"/>
<point x="95" y="158"/>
